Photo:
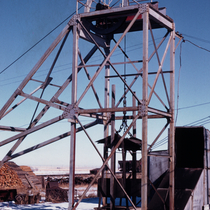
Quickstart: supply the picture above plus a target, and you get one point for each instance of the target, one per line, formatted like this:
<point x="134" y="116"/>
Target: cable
<point x="199" y="39"/>
<point x="132" y="48"/>
<point x="38" y="42"/>
<point x="185" y="40"/>
<point x="180" y="66"/>
<point x="187" y="107"/>
<point x="199" y="122"/>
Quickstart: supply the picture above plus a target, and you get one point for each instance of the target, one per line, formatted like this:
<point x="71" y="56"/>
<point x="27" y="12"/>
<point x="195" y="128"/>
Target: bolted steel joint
<point x="70" y="112"/>
<point x="74" y="20"/>
<point x="143" y="109"/>
<point x="143" y="8"/>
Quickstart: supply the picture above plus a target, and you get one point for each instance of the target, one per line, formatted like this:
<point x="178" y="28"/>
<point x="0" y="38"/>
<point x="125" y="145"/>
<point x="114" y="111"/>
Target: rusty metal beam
<point x="73" y="101"/>
<point x="172" y="129"/>
<point x="20" y="102"/>
<point x="29" y="131"/>
<point x="10" y="128"/>
<point x="121" y="109"/>
<point x="50" y="141"/>
<point x="144" y="180"/>
<point x="112" y="184"/>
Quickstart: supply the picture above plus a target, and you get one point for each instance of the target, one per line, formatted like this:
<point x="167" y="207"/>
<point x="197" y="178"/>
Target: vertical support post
<point x="112" y="187"/>
<point x="73" y="125"/>
<point x="134" y="153"/>
<point x="172" y="129"/>
<point x="144" y="181"/>
<point x="125" y="3"/>
<point x="77" y="7"/>
<point x="106" y="105"/>
<point x="207" y="163"/>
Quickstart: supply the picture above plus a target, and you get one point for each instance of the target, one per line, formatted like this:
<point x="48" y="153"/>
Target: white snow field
<point x="87" y="204"/>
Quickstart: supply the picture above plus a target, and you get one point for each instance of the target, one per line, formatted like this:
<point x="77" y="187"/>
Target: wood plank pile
<point x="22" y="181"/>
<point x="9" y="178"/>
<point x="37" y="182"/>
<point x="27" y="176"/>
<point x="28" y="170"/>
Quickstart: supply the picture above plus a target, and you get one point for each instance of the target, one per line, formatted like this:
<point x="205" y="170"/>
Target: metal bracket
<point x="73" y="20"/>
<point x="143" y="8"/>
<point x="143" y="108"/>
<point x="70" y="112"/>
<point x="18" y="92"/>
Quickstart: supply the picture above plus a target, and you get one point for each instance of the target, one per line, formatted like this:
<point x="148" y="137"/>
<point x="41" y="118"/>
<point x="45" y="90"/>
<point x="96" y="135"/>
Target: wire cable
<point x="188" y="107"/>
<point x="185" y="40"/>
<point x="180" y="66"/>
<point x="38" y="42"/>
<point x="199" y="122"/>
<point x="199" y="39"/>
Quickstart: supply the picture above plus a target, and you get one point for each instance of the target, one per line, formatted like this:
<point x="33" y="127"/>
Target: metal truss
<point x="89" y="28"/>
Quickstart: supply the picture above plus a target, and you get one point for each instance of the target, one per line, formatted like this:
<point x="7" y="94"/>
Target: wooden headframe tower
<point x="104" y="27"/>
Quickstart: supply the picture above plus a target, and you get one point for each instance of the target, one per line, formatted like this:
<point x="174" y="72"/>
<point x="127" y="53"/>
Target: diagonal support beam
<point x="31" y="130"/>
<point x="20" y="102"/>
<point x="159" y="63"/>
<point x="22" y="136"/>
<point x="158" y="136"/>
<point x="45" y="109"/>
<point x="63" y="87"/>
<point x="111" y="171"/>
<point x="34" y="69"/>
<point x="88" y="76"/>
<point x="107" y="58"/>
<point x="106" y="162"/>
<point x="11" y="128"/>
<point x="159" y="70"/>
<point x="139" y="71"/>
<point x="50" y="141"/>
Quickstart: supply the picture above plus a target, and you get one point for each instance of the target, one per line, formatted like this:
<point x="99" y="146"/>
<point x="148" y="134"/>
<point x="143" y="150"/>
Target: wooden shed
<point x="19" y="183"/>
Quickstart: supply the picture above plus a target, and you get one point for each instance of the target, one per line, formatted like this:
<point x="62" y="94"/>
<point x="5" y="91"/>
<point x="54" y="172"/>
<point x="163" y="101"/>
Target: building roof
<point x="131" y="143"/>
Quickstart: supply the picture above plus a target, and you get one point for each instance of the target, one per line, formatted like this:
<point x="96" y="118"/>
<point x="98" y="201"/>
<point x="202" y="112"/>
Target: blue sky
<point x="23" y="23"/>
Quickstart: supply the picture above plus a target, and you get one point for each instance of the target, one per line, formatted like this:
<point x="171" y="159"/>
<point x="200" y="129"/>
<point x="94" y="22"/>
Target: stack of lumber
<point x="34" y="180"/>
<point x="28" y="170"/>
<point x="9" y="178"/>
<point x="28" y="178"/>
<point x="20" y="183"/>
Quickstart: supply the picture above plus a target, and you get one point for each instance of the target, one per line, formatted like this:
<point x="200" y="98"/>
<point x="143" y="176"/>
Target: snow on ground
<point x="53" y="170"/>
<point x="91" y="193"/>
<point x="87" y="204"/>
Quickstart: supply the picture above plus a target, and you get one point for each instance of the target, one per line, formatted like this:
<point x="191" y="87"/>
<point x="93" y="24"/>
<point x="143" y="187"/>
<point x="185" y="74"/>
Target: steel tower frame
<point x="137" y="17"/>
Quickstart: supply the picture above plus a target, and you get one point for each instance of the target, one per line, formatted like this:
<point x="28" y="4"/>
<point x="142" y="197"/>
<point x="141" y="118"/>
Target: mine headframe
<point x="98" y="25"/>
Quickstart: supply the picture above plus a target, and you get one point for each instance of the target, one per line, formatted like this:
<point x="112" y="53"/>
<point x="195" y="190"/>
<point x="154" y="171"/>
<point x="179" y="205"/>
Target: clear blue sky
<point x="24" y="22"/>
